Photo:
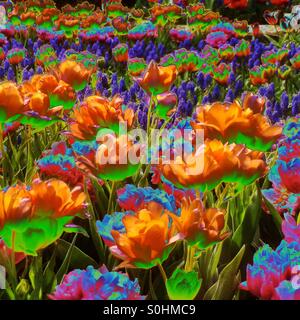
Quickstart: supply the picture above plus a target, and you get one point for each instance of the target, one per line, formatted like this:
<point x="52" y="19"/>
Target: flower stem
<point x="111" y="197"/>
<point x="162" y="271"/>
<point x="189" y="263"/>
<point x="1" y="140"/>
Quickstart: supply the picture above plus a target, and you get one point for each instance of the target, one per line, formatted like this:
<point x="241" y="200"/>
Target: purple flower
<point x="290" y="229"/>
<point x="229" y="96"/>
<point x="133" y="198"/>
<point x="271" y="270"/>
<point x="97" y="284"/>
<point x="284" y="101"/>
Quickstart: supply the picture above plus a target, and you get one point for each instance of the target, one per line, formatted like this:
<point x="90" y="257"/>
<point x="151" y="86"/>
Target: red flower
<point x="236" y="4"/>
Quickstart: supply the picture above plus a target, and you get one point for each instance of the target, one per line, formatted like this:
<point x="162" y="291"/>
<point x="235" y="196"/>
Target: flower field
<point x="151" y="152"/>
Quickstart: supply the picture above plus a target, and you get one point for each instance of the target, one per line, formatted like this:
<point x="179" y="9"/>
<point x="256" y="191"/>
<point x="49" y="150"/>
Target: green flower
<point x="183" y="285"/>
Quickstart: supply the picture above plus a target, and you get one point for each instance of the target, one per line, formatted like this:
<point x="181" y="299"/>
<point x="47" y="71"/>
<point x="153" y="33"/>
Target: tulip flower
<point x="284" y="175"/>
<point x="183" y="285"/>
<point x="46" y="56"/>
<point x="261" y="74"/>
<point x="117" y="158"/>
<point x="28" y="18"/>
<point x="98" y="112"/>
<point x="204" y="21"/>
<point x="255" y="29"/>
<point x="271" y="17"/>
<point x="221" y="73"/>
<point x="134" y="199"/>
<point x="184" y="60"/>
<point x="116" y="10"/>
<point x="228" y="163"/>
<point x="217" y="39"/>
<point x="121" y="25"/>
<point x="75" y="74"/>
<point x="290" y="229"/>
<point x="63" y="95"/>
<point x="199" y="226"/>
<point x="157" y="79"/>
<point x="96" y="284"/>
<point x="60" y="161"/>
<point x="229" y="122"/>
<point x="16" y="55"/>
<point x="271" y="272"/>
<point x="120" y="53"/>
<point x="181" y="34"/>
<point x="144" y="30"/>
<point x="11" y="101"/>
<point x="146" y="242"/>
<point x="241" y="28"/>
<point x="254" y="102"/>
<point x="295" y="61"/>
<point x="166" y="102"/>
<point x="2" y="54"/>
<point x="60" y="93"/>
<point x="136" y="66"/>
<point x="284" y="71"/>
<point x="33" y="218"/>
<point x="242" y="49"/>
<point x="236" y="4"/>
<point x="226" y="52"/>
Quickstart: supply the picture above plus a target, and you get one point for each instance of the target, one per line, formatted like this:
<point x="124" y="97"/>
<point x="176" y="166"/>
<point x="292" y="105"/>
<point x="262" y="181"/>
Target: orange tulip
<point x="46" y="95"/>
<point x="45" y="83"/>
<point x="32" y="218"/>
<point x="54" y="198"/>
<point x="15" y="204"/>
<point x="254" y="102"/>
<point x="113" y="158"/>
<point x="40" y="103"/>
<point x="63" y="95"/>
<point x="220" y="163"/>
<point x="28" y="18"/>
<point x="11" y="101"/>
<point x="90" y="21"/>
<point x="74" y="73"/>
<point x="98" y="112"/>
<point x="157" y="79"/>
<point x="199" y="226"/>
<point x="147" y="240"/>
<point x="230" y="122"/>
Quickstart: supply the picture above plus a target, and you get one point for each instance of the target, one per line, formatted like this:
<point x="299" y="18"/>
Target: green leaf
<point x="49" y="276"/>
<point x="79" y="259"/>
<point x="35" y="276"/>
<point x="152" y="291"/>
<point x="70" y="228"/>
<point x="275" y="214"/>
<point x="225" y="287"/>
<point x="246" y="230"/>
<point x="66" y="262"/>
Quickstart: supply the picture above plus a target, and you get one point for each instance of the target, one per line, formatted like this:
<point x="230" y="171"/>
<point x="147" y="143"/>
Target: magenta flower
<point x="216" y="39"/>
<point x="273" y="274"/>
<point x="97" y="284"/>
<point x="290" y="229"/>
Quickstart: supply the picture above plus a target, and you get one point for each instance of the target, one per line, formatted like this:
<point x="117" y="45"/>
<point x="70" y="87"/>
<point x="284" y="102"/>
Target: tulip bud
<point x="183" y="285"/>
